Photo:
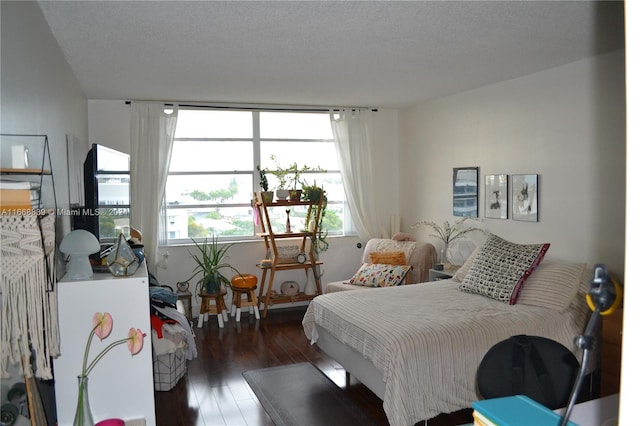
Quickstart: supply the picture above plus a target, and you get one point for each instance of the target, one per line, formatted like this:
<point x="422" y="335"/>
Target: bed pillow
<point x="501" y="267"/>
<point x="388" y="257"/>
<point x="464" y="269"/>
<point x="380" y="275"/>
<point x="553" y="284"/>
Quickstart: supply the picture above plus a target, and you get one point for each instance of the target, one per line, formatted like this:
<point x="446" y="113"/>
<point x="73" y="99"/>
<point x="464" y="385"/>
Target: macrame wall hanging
<point x="29" y="324"/>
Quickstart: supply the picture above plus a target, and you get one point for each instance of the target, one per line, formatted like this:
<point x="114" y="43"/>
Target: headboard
<point x="422" y="256"/>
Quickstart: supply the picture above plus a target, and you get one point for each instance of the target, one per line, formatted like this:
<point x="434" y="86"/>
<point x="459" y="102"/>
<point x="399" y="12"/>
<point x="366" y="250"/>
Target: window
<point x="212" y="174"/>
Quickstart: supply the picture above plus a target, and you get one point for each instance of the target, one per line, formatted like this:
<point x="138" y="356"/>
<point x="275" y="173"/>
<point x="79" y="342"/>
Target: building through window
<point x="213" y="170"/>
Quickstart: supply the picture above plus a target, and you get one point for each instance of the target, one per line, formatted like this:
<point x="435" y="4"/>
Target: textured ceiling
<point x="369" y="53"/>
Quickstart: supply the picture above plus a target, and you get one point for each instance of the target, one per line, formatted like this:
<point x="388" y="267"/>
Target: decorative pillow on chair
<point x="388" y="257"/>
<point x="380" y="275"/>
<point x="501" y="267"/>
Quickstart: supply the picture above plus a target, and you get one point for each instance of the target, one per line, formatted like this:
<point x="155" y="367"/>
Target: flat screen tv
<point x="106" y="194"/>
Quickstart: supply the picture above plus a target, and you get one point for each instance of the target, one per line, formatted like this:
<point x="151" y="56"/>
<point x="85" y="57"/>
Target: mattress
<point x="426" y="340"/>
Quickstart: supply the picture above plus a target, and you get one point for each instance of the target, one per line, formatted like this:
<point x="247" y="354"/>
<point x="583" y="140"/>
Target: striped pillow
<point x="553" y="284"/>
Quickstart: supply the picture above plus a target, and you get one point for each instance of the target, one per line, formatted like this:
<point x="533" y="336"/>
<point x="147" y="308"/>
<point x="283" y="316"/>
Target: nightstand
<point x="611" y="353"/>
<point x="435" y="275"/>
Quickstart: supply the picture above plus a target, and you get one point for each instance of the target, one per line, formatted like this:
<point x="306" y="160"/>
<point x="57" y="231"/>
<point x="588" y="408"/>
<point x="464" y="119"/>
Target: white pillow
<point x="553" y="284"/>
<point x="464" y="269"/>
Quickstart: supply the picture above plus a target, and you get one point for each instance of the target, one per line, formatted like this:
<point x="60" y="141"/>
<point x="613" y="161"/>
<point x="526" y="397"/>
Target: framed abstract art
<point x="496" y="194"/>
<point x="524" y="196"/>
<point x="465" y="191"/>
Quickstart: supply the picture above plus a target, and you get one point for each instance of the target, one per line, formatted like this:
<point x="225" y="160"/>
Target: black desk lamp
<point x="603" y="298"/>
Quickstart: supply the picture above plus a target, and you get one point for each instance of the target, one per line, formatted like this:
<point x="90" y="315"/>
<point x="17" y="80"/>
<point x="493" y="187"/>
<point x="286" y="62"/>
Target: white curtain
<point x="352" y="135"/>
<point x="153" y="126"/>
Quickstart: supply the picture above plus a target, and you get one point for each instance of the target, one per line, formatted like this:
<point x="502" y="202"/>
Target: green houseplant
<point x="267" y="196"/>
<point x="210" y="262"/>
<point x="282" y="175"/>
<point x="296" y="172"/>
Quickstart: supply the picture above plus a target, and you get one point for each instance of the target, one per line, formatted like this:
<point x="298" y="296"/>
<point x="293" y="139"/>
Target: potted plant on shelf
<point x="312" y="192"/>
<point x="282" y="175"/>
<point x="267" y="196"/>
<point x="210" y="263"/>
<point x="294" y="193"/>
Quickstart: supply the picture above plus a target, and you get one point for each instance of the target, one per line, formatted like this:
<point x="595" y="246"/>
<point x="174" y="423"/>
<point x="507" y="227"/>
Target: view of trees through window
<point x="213" y="170"/>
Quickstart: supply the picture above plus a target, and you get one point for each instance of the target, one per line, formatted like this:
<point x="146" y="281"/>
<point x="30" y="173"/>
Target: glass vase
<point x="83" y="408"/>
<point x="443" y="254"/>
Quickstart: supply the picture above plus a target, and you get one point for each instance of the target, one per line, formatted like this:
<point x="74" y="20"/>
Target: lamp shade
<point x="79" y="244"/>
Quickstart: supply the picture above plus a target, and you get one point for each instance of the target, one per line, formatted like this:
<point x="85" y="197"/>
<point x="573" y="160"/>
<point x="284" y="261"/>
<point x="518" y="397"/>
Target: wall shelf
<point x="23" y="186"/>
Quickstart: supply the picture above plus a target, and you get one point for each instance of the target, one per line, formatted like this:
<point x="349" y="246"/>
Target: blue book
<point x="517" y="410"/>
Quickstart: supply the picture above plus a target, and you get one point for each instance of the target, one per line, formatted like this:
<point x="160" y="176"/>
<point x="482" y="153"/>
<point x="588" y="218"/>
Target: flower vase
<point x="443" y="256"/>
<point x="83" y="408"/>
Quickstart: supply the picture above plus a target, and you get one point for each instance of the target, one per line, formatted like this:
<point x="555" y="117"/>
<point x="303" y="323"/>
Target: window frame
<point x="256" y="141"/>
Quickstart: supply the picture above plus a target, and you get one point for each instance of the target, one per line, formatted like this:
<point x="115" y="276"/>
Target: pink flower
<point x="103" y="324"/>
<point x="136" y="340"/>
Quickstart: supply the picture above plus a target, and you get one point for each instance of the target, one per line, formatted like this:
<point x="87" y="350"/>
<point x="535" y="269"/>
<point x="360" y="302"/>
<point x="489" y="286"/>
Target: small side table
<point x="185" y="296"/>
<point x="447" y="273"/>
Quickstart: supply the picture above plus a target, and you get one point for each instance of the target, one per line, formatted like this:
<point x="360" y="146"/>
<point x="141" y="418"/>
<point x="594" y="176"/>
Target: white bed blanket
<point x="428" y="339"/>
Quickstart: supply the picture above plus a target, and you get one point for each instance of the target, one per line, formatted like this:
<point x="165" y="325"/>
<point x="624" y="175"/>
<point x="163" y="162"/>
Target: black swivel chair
<point x="540" y="368"/>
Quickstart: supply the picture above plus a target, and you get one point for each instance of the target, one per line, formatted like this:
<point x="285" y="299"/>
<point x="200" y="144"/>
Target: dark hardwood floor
<point x="213" y="392"/>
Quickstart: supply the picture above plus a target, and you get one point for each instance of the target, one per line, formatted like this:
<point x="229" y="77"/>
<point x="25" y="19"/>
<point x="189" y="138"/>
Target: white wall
<point x="566" y="124"/>
<point x="630" y="377"/>
<point x="40" y="94"/>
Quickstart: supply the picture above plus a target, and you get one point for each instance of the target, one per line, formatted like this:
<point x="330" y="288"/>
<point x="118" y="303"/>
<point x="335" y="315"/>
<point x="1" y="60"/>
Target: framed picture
<point x="496" y="190"/>
<point x="524" y="196"/>
<point x="465" y="191"/>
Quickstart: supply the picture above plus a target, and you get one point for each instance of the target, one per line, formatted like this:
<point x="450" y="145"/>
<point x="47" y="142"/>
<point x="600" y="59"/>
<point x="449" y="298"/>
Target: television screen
<point x="107" y="194"/>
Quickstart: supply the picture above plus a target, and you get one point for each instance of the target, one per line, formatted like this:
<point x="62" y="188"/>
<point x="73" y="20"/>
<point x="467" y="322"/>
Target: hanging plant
<point x="318" y="197"/>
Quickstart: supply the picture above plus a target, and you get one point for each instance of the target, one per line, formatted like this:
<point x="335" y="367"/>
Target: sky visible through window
<point x="212" y="168"/>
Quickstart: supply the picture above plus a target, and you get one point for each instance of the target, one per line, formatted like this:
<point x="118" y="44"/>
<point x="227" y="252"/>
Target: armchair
<point x="420" y="255"/>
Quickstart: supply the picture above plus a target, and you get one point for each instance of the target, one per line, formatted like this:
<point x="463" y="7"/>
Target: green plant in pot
<point x="267" y="196"/>
<point x="296" y="172"/>
<point x="312" y="192"/>
<point x="282" y="175"/>
<point x="210" y="261"/>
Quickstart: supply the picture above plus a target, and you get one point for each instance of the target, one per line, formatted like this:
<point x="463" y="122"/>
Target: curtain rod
<point x="253" y="107"/>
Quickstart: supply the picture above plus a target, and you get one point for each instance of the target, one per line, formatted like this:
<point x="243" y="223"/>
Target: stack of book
<point x="18" y="196"/>
<point x="517" y="410"/>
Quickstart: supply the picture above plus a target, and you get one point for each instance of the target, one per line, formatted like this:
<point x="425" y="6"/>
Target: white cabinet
<point x="120" y="385"/>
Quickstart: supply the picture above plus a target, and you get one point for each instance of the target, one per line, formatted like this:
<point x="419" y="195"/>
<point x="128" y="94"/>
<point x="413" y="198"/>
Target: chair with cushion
<point x="418" y="256"/>
<point x="540" y="368"/>
<point x="244" y="285"/>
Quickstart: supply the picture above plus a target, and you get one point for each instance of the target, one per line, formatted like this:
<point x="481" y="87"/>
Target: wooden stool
<point x="213" y="304"/>
<point x="244" y="284"/>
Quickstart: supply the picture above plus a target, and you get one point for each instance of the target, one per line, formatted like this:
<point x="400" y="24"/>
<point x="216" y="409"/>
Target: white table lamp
<point x="79" y="244"/>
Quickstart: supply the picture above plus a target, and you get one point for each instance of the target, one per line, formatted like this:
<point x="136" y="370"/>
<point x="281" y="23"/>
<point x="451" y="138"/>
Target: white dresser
<point x="120" y="385"/>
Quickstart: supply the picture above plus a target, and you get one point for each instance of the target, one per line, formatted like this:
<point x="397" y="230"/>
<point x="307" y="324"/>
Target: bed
<point x="418" y="346"/>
